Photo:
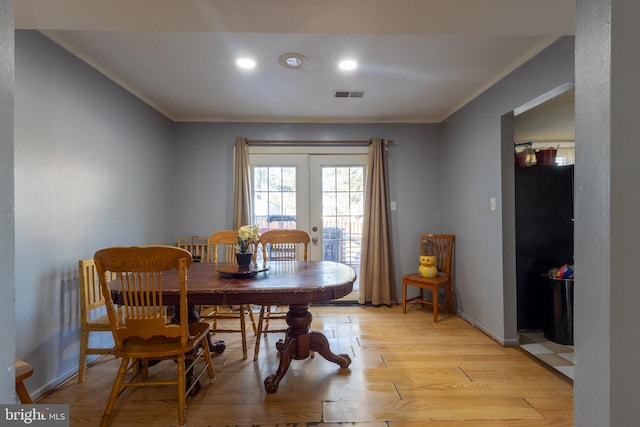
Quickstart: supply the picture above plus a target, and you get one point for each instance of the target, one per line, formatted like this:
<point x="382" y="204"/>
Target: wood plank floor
<point x="406" y="372"/>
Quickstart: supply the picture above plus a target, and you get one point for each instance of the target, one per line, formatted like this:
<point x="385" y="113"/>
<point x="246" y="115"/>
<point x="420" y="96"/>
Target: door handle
<point x="314" y="240"/>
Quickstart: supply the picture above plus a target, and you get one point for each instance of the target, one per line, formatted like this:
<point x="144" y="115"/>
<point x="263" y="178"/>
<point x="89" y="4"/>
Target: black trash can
<point x="558" y="325"/>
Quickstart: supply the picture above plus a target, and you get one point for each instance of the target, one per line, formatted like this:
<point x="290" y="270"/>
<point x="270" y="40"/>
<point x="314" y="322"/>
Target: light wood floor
<point x="406" y="371"/>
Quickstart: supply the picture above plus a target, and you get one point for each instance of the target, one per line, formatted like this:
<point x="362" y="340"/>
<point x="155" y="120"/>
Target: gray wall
<point x="607" y="203"/>
<point x="93" y="168"/>
<point x="471" y="146"/>
<point x="7" y="207"/>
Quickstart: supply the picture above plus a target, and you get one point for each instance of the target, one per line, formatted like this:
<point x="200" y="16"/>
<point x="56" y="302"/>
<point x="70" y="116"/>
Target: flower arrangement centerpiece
<point x="247" y="237"/>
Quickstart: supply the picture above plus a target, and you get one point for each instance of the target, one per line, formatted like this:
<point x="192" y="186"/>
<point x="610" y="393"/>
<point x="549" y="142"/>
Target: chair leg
<point x="182" y="390"/>
<point x="214" y="314"/>
<point x="82" y="361"/>
<point x="207" y="357"/>
<point x="253" y="320"/>
<point x="23" y="393"/>
<point x="115" y="391"/>
<point x="435" y="304"/>
<point x="449" y="298"/>
<point x="267" y="315"/>
<point x="243" y="331"/>
<point x="404" y="297"/>
<point x="259" y="332"/>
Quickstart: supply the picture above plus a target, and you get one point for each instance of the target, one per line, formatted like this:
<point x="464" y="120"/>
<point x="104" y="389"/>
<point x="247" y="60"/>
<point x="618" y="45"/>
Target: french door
<point x="322" y="194"/>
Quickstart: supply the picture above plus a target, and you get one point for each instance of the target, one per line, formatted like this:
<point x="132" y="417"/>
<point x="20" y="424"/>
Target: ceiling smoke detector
<point x="291" y="60"/>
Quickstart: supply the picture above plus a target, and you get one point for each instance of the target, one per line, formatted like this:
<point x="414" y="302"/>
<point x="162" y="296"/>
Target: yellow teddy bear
<point x="427" y="266"/>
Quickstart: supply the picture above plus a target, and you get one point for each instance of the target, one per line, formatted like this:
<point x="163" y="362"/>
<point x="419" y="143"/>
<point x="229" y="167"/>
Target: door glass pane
<point x="342" y="214"/>
<point x="274" y="201"/>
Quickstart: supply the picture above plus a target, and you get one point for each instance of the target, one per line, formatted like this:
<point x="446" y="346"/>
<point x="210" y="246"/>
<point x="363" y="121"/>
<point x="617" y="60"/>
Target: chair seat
<point x="101" y="323"/>
<point x="417" y="279"/>
<point x="160" y="346"/>
<point x="432" y="283"/>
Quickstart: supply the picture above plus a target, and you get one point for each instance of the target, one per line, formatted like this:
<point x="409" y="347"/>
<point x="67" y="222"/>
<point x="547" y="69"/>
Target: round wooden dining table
<point x="296" y="284"/>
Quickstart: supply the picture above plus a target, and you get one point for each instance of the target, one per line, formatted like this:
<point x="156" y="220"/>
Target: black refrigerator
<point x="544" y="235"/>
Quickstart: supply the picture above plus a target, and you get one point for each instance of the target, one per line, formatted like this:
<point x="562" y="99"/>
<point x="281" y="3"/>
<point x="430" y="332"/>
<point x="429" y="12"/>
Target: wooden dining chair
<point x="198" y="247"/>
<point x="279" y="245"/>
<point x="93" y="316"/>
<point x="144" y="333"/>
<point x="222" y="249"/>
<point x="440" y="246"/>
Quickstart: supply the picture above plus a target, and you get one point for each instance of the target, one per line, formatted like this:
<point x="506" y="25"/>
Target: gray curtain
<point x="377" y="278"/>
<point x="242" y="209"/>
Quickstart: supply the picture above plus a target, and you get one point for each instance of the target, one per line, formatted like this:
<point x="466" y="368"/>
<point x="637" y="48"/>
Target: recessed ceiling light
<point x="348" y="64"/>
<point x="245" y="63"/>
<point x="291" y="60"/>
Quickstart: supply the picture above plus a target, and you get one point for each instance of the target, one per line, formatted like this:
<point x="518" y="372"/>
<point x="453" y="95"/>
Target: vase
<point x="244" y="259"/>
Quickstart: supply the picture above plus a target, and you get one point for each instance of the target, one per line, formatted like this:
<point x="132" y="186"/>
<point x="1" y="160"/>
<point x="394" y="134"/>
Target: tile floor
<point x="557" y="356"/>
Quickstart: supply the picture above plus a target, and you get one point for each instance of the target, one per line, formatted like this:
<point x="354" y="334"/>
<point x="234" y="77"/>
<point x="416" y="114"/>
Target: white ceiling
<point x="419" y="60"/>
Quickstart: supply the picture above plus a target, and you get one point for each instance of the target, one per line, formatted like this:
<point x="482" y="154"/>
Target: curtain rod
<point x="317" y="142"/>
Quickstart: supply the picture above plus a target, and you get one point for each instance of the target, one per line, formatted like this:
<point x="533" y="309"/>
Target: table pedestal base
<point x="299" y="344"/>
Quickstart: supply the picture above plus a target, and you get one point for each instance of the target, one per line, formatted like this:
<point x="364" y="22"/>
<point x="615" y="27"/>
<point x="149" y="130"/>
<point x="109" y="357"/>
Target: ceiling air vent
<point x="349" y="94"/>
